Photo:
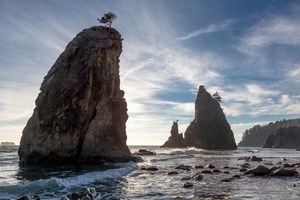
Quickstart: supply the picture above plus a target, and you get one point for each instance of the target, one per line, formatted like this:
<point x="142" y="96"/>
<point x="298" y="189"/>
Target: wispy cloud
<point x="209" y="29"/>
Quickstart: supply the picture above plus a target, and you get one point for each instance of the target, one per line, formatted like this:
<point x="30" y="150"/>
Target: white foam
<point x="88" y="178"/>
<point x="187" y="151"/>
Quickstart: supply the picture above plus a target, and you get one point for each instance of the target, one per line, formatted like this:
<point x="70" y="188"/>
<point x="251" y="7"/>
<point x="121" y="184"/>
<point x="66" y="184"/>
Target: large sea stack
<point x="209" y="129"/>
<point x="175" y="140"/>
<point x="80" y="113"/>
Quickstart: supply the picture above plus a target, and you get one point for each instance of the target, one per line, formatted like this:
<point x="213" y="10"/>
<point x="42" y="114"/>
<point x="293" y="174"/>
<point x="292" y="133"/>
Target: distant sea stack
<point x="209" y="129"/>
<point x="175" y="140"/>
<point x="288" y="138"/>
<point x="80" y="113"/>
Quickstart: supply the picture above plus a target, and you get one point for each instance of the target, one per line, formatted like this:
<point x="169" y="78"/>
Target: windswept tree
<point x="107" y="19"/>
<point x="217" y="97"/>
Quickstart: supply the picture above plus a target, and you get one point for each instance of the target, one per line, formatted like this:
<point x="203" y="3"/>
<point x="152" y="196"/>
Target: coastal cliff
<point x="288" y="138"/>
<point x="257" y="135"/>
<point x="80" y="113"/>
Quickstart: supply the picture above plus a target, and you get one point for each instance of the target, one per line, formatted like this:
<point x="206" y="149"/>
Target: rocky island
<point x="80" y="113"/>
<point x="208" y="130"/>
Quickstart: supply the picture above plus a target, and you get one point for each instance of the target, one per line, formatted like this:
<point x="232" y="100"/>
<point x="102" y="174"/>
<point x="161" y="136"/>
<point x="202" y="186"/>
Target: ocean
<point x="132" y="181"/>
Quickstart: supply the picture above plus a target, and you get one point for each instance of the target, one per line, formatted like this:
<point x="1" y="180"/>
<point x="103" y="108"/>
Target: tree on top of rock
<point x="216" y="96"/>
<point x="107" y="19"/>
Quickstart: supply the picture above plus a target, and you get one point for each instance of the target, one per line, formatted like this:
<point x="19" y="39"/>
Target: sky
<point x="248" y="51"/>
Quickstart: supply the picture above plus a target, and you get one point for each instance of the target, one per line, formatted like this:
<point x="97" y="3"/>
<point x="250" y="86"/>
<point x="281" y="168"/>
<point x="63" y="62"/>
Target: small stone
<point x="144" y="152"/>
<point x="206" y="172"/>
<point x="151" y="168"/>
<point x="187" y="185"/>
<point x="210" y="166"/>
<point x="186" y="178"/>
<point x="226" y="167"/>
<point x="226" y="179"/>
<point x="216" y="171"/>
<point x="236" y="176"/>
<point x="198" y="177"/>
<point x="255" y="159"/>
<point x="173" y="173"/>
<point x="198" y="167"/>
<point x="184" y="167"/>
<point x="246" y="165"/>
<point x="284" y="159"/>
<point x="225" y="172"/>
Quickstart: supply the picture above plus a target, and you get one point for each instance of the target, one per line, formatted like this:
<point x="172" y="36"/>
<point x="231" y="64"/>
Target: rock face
<point x="80" y="113"/>
<point x="257" y="135"/>
<point x="209" y="129"/>
<point x="284" y="138"/>
<point x="175" y="140"/>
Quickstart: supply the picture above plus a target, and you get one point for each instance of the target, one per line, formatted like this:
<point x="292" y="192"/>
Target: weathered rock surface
<point x="80" y="113"/>
<point x="175" y="140"/>
<point x="257" y="135"/>
<point x="209" y="129"/>
<point x="284" y="138"/>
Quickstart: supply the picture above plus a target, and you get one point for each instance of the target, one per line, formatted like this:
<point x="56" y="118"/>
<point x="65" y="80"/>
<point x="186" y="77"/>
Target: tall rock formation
<point x="175" y="140"/>
<point x="209" y="129"/>
<point x="288" y="138"/>
<point x="80" y="113"/>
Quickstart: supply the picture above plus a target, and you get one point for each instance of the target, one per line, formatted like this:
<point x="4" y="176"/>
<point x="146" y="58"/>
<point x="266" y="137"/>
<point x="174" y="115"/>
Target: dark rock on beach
<point x="259" y="170"/>
<point x="284" y="172"/>
<point x="184" y="167"/>
<point x="144" y="152"/>
<point x="80" y="113"/>
<point x="209" y="129"/>
<point x="187" y="185"/>
<point x="150" y="168"/>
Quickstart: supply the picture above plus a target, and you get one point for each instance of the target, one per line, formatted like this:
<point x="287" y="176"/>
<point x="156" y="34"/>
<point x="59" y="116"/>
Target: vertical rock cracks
<point x="80" y="113"/>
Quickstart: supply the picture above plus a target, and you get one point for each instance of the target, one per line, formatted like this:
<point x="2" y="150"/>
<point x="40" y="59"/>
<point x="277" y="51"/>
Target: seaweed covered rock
<point x="80" y="113"/>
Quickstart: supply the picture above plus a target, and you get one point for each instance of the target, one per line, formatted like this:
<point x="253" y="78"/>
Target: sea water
<point x="130" y="181"/>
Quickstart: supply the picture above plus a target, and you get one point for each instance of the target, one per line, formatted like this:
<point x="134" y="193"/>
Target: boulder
<point x="285" y="172"/>
<point x="209" y="129"/>
<point x="144" y="152"/>
<point x="80" y="113"/>
<point x="259" y="170"/>
<point x="284" y="138"/>
<point x="184" y="167"/>
<point x="175" y="140"/>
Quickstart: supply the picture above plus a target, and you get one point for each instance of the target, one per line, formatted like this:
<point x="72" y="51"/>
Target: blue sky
<point x="246" y="50"/>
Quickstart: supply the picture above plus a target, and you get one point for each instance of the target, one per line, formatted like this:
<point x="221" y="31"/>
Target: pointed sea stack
<point x="209" y="129"/>
<point x="80" y="113"/>
<point x="175" y="140"/>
